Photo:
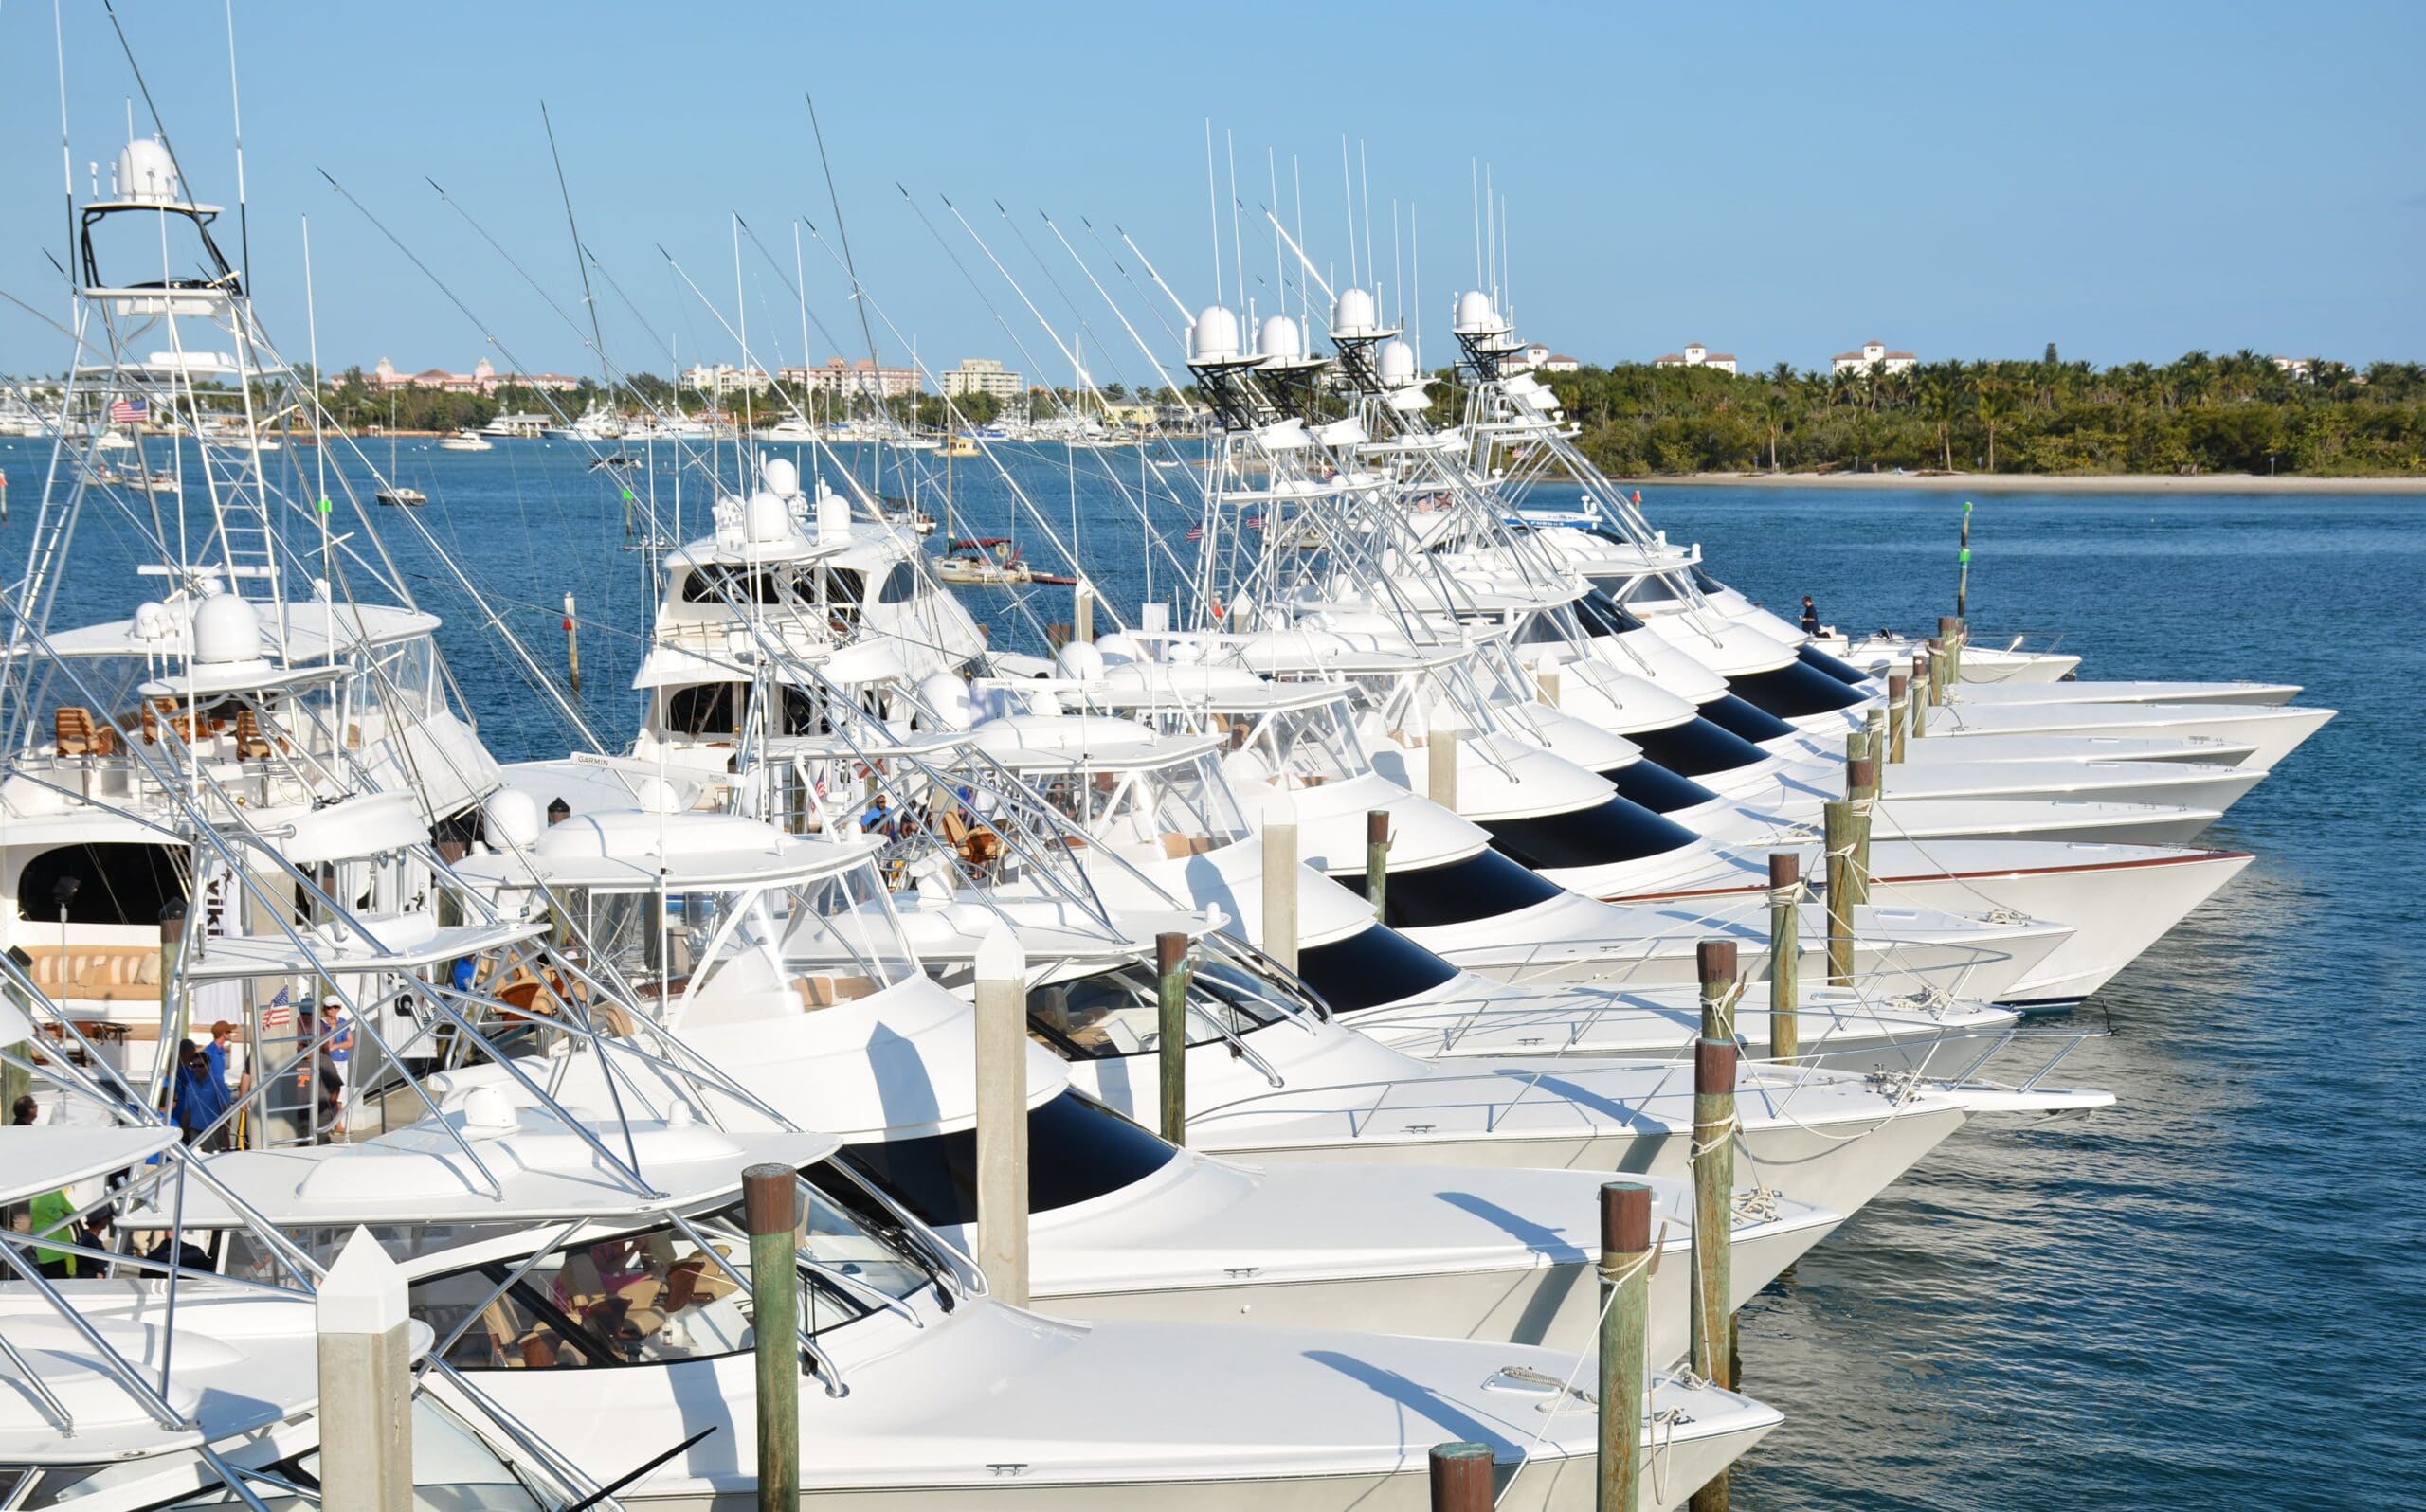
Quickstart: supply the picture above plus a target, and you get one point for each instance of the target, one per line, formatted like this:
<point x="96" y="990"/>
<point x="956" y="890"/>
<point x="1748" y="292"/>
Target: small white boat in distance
<point x="399" y="494"/>
<point x="466" y="441"/>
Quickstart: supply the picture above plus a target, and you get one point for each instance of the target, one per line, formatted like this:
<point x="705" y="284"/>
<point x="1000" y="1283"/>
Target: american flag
<point x="128" y="411"/>
<point x="1252" y="522"/>
<point x="279" y="1011"/>
<point x="1196" y="532"/>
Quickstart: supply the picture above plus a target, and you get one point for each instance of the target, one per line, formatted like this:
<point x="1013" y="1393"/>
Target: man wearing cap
<point x="329" y="1064"/>
<point x="220" y="1049"/>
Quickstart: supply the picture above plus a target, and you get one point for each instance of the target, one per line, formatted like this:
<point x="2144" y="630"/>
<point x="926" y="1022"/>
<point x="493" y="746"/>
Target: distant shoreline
<point x="2044" y="482"/>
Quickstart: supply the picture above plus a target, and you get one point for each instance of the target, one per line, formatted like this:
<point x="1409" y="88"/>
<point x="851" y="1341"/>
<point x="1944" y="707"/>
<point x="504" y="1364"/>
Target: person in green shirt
<point x="52" y="1213"/>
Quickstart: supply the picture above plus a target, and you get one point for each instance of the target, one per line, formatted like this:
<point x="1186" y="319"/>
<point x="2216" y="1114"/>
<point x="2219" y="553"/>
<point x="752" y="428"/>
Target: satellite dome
<point x="1119" y="650"/>
<point x="833" y="514"/>
<point x="782" y="476"/>
<point x="1475" y="312"/>
<point x="949" y="697"/>
<point x="226" y="629"/>
<point x="766" y="518"/>
<point x="655" y="795"/>
<point x="510" y="817"/>
<point x="152" y="620"/>
<point x="1278" y="339"/>
<point x="487" y="1109"/>
<point x="1079" y="661"/>
<point x="1395" y="363"/>
<point x="146" y="173"/>
<point x="1214" y="337"/>
<point x="1351" y="314"/>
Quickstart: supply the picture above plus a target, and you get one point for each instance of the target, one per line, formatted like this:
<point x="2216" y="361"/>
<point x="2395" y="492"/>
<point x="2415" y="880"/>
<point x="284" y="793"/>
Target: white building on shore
<point x="1697" y="355"/>
<point x="980" y="375"/>
<point x="1873" y="355"/>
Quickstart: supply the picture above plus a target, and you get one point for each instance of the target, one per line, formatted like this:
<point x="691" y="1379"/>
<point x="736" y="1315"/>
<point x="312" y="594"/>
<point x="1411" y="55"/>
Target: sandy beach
<point x="2044" y="483"/>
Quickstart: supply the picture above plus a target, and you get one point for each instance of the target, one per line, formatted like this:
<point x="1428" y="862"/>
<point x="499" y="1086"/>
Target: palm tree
<point x="1995" y="406"/>
<point x="1939" y="399"/>
<point x="1774" y="410"/>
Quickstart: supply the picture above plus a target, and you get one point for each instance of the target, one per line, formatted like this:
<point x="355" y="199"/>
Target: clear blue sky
<point x="1783" y="181"/>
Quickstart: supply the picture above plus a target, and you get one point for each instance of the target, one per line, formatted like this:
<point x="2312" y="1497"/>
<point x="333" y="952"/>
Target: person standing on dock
<point x="1810" y="617"/>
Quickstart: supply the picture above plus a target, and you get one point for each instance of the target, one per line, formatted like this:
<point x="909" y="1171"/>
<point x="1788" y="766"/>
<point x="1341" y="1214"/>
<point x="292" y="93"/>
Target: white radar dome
<point x="1079" y="661"/>
<point x="146" y="173"/>
<point x="1475" y="312"/>
<point x="655" y="795"/>
<point x="1119" y="650"/>
<point x="152" y="620"/>
<point x="510" y="817"/>
<point x="226" y="628"/>
<point x="1214" y="337"/>
<point x="1351" y="314"/>
<point x="1277" y="338"/>
<point x="766" y="518"/>
<point x="782" y="476"/>
<point x="949" y="697"/>
<point x="833" y="514"/>
<point x="1395" y="363"/>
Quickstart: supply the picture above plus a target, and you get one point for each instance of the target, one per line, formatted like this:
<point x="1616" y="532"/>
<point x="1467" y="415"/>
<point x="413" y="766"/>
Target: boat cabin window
<point x="1657" y="788"/>
<point x="1819" y="662"/>
<point x="1375" y="965"/>
<point x="1604" y="835"/>
<point x="1118" y="1012"/>
<point x="1483" y="886"/>
<point x="654" y="1297"/>
<point x="1168" y="808"/>
<point x="1317" y="744"/>
<point x="720" y="582"/>
<point x="1795" y="691"/>
<point x="405" y="677"/>
<point x="900" y="584"/>
<point x="707" y="708"/>
<point x="1078" y="1150"/>
<point x="1749" y="721"/>
<point x="1649" y="589"/>
<point x="1599" y="615"/>
<point x="827" y="941"/>
<point x="116" y="882"/>
<point x="1698" y="748"/>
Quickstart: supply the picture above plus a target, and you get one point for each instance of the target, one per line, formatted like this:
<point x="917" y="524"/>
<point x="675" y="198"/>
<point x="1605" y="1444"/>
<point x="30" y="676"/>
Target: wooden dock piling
<point x="1280" y="880"/>
<point x="1714" y="1162"/>
<point x="771" y="1203"/>
<point x="1625" y="1290"/>
<point x="1785" y="956"/>
<point x="1002" y="1115"/>
<point x="572" y="644"/>
<point x="1461" y="1476"/>
<point x="1377" y="858"/>
<point x="1171" y="982"/>
<point x="1899" y="713"/>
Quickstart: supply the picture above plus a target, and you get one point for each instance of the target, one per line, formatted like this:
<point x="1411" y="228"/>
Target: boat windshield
<point x="1155" y="808"/>
<point x="1118" y="1012"/>
<point x="1657" y="788"/>
<point x="1795" y="691"/>
<point x="1697" y="748"/>
<point x="655" y="1295"/>
<point x="1743" y="720"/>
<point x="1375" y="965"/>
<point x="1318" y="745"/>
<point x="1818" y="660"/>
<point x="834" y="932"/>
<point x="1078" y="1151"/>
<point x="1604" y="835"/>
<point x="1483" y="886"/>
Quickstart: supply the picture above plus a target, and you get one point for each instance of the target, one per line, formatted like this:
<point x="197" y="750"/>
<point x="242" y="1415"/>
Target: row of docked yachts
<point x="1438" y="774"/>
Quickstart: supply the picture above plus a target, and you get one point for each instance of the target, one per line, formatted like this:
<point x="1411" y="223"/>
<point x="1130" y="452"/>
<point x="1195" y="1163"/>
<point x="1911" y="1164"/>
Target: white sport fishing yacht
<point x="776" y="959"/>
<point x="1123" y="1225"/>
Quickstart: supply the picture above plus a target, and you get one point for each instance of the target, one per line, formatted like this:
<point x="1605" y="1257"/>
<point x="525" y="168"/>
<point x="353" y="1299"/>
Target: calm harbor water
<point x="2205" y="1297"/>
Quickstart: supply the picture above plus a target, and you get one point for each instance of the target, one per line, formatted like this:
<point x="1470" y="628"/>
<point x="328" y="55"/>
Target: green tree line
<point x="2240" y="413"/>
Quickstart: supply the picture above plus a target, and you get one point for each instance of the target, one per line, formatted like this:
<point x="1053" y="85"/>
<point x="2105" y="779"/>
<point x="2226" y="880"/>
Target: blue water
<point x="2205" y="1297"/>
